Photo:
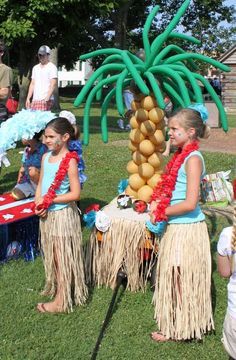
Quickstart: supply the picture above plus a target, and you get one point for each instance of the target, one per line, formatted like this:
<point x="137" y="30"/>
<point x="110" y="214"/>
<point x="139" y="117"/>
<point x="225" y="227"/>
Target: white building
<point x="76" y="76"/>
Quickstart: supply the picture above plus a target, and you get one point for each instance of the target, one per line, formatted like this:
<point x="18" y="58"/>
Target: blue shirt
<point x="49" y="174"/>
<point x="32" y="159"/>
<point x="179" y="195"/>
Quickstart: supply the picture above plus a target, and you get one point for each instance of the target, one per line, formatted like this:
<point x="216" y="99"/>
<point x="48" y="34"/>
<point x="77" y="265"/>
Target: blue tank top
<point x="50" y="170"/>
<point x="179" y="194"/>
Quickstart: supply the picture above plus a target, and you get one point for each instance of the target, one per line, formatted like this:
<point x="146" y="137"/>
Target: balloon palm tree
<point x="166" y="70"/>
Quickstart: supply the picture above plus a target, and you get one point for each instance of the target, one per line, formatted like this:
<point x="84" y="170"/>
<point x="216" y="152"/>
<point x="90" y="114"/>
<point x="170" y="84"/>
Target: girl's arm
<point x="224" y="266"/>
<point x="38" y="197"/>
<point x="193" y="170"/>
<point x="74" y="192"/>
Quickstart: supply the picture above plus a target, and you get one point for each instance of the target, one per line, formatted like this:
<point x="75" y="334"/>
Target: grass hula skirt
<point x="122" y="247"/>
<point x="182" y="296"/>
<point x="61" y="237"/>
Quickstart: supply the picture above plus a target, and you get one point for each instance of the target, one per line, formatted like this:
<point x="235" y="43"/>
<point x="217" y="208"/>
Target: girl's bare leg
<point x="57" y="304"/>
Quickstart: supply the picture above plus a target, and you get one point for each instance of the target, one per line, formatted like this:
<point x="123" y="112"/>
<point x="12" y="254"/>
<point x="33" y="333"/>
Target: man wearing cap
<point x="43" y="82"/>
<point x="5" y="77"/>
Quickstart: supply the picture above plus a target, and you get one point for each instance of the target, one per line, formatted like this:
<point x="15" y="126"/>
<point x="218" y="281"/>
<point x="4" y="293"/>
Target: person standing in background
<point x="43" y="82"/>
<point x="6" y="76"/>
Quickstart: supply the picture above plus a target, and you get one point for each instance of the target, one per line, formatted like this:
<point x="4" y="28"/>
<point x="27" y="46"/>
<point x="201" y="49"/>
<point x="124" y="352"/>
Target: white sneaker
<point x="120" y="123"/>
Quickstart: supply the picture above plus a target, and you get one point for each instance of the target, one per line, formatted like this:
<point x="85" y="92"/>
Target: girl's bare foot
<point x="49" y="307"/>
<point x="158" y="337"/>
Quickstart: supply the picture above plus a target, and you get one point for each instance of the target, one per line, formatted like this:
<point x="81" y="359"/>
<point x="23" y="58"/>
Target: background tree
<point x="78" y="26"/>
<point x="25" y="25"/>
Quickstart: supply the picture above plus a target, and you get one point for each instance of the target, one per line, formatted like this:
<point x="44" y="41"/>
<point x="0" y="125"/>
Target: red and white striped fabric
<point x="41" y="105"/>
<point x="12" y="210"/>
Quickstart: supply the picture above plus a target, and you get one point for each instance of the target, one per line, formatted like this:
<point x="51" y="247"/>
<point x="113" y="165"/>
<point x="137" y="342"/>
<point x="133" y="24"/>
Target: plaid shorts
<point x="41" y="105"/>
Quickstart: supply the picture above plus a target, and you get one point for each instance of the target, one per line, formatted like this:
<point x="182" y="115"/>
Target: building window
<point x="80" y="65"/>
<point x="80" y="82"/>
<point x="70" y="82"/>
<point x="59" y="68"/>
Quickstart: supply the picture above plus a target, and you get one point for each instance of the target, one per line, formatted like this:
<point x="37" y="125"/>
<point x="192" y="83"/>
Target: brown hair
<point x="190" y="118"/>
<point x="62" y="126"/>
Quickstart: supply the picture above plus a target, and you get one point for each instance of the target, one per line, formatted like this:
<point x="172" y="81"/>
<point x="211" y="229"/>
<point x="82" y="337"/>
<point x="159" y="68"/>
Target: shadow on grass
<point x="117" y="295"/>
<point x="9" y="180"/>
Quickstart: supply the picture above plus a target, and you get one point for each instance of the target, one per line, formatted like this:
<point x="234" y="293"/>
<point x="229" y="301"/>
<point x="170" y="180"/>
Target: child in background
<point x="226" y="260"/>
<point x="128" y="98"/>
<point x="182" y="296"/>
<point x="60" y="228"/>
<point x="75" y="144"/>
<point x="28" y="175"/>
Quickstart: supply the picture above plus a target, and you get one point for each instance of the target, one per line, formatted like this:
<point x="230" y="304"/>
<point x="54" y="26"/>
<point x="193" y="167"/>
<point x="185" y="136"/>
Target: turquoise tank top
<point x="50" y="170"/>
<point x="179" y="194"/>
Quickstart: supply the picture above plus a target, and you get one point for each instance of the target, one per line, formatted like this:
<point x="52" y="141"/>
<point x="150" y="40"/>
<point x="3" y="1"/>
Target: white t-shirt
<point x="224" y="249"/>
<point x="42" y="75"/>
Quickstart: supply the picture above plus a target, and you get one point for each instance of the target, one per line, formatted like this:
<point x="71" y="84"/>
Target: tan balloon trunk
<point x="147" y="143"/>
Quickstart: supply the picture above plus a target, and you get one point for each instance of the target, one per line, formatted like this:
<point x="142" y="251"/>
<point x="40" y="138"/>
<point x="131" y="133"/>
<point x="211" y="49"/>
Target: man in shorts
<point x="43" y="82"/>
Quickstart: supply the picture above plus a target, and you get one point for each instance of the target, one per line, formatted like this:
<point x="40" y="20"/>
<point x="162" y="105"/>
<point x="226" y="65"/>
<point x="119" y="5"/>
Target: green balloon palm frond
<point x="165" y="70"/>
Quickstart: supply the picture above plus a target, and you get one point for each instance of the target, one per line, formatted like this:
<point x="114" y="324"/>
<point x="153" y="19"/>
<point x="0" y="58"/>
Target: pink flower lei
<point x="163" y="190"/>
<point x="59" y="177"/>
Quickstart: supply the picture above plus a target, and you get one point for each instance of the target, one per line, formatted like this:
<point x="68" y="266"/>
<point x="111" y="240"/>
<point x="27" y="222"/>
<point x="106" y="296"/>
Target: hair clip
<point x="201" y="109"/>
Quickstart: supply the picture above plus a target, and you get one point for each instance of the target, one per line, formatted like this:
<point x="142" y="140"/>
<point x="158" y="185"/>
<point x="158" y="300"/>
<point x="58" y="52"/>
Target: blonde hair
<point x="190" y="118"/>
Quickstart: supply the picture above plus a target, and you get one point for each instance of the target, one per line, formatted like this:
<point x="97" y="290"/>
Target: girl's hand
<point x="39" y="209"/>
<point x="153" y="207"/>
<point x="41" y="212"/>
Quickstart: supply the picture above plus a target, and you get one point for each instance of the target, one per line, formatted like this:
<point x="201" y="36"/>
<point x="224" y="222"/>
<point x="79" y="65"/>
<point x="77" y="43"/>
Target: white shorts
<point x="27" y="188"/>
<point x="229" y="335"/>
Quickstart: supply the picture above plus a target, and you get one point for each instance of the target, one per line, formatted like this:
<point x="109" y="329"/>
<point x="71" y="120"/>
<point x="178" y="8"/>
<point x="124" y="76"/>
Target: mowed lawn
<point x="28" y="335"/>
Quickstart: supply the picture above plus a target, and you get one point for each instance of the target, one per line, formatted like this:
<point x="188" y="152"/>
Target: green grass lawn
<point x="28" y="335"/>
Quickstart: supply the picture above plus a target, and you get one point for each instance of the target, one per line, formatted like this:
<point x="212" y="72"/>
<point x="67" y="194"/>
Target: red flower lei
<point x="59" y="177"/>
<point x="163" y="190"/>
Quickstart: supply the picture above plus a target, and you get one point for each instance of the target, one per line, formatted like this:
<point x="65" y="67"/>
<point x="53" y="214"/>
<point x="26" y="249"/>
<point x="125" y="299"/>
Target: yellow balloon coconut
<point x="135" y="105"/>
<point x="136" y="136"/>
<point x="131" y="167"/>
<point x="136" y="181"/>
<point x="134" y="123"/>
<point x="156" y="160"/>
<point x="131" y="192"/>
<point x="145" y="193"/>
<point x="139" y="158"/>
<point x="154" y="180"/>
<point x="141" y="115"/>
<point x="148" y="127"/>
<point x="156" y="115"/>
<point x="146" y="170"/>
<point x="146" y="147"/>
<point x="148" y="103"/>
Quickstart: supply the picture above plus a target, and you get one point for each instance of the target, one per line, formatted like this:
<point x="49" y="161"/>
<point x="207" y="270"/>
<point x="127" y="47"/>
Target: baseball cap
<point x="44" y="50"/>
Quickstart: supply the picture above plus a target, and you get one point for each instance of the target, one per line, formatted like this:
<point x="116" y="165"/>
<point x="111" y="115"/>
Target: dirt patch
<point x="219" y="141"/>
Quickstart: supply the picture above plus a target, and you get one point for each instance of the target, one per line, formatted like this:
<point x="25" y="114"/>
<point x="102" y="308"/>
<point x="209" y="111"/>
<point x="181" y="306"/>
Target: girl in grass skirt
<point x="182" y="296"/>
<point x="60" y="228"/>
